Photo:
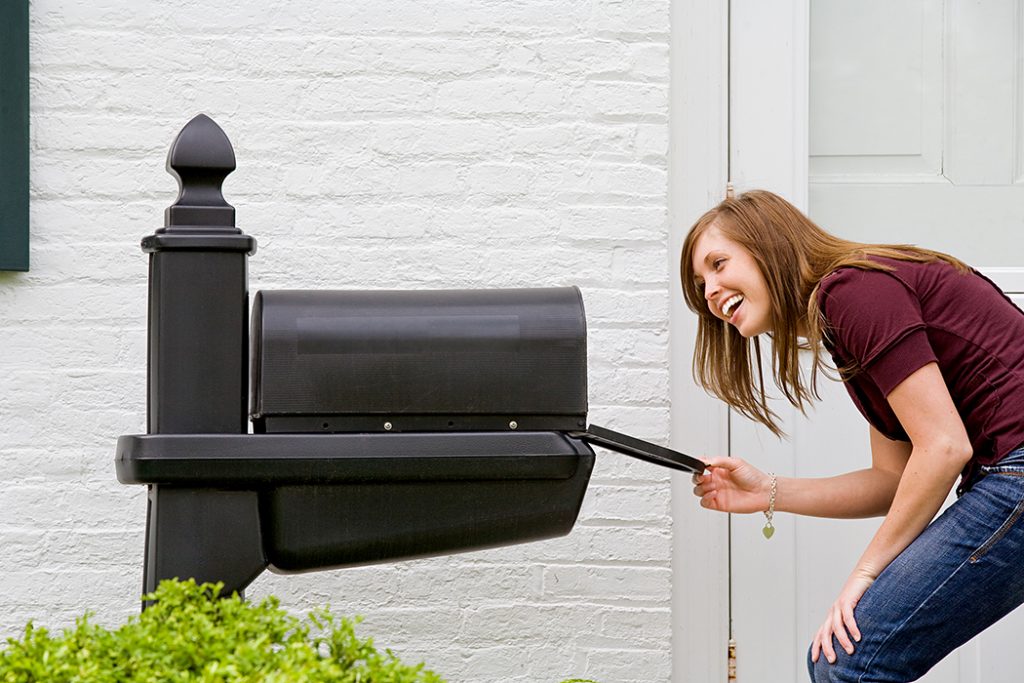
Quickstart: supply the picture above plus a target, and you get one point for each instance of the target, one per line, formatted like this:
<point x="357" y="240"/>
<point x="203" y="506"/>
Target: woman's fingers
<point x="839" y="620"/>
<point x="724" y="462"/>
<point x="703" y="483"/>
<point x="825" y="638"/>
<point x="725" y="466"/>
<point x="729" y="485"/>
<point x="822" y="645"/>
<point x="706" y="489"/>
<point x="839" y="629"/>
<point x="851" y="623"/>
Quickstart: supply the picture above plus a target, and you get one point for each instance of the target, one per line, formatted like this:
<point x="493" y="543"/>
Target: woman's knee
<point x="823" y="672"/>
<point x="818" y="670"/>
<point x="810" y="666"/>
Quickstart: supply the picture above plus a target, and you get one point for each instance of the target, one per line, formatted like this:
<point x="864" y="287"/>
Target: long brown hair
<point x="793" y="254"/>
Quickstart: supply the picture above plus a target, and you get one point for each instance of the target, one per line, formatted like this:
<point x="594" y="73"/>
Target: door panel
<point x="917" y="124"/>
<point x="982" y="225"/>
<point x="900" y="134"/>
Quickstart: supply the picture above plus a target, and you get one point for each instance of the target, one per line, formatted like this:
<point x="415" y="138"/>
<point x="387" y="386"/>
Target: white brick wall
<point x="399" y="143"/>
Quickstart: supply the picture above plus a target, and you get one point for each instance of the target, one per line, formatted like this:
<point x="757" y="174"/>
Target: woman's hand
<point x="732" y="485"/>
<point x="840" y="622"/>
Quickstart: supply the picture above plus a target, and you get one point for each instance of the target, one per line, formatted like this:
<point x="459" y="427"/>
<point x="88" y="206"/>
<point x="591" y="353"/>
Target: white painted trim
<point x="1009" y="279"/>
<point x="769" y="65"/>
<point x="769" y="93"/>
<point x="698" y="157"/>
<point x="768" y="148"/>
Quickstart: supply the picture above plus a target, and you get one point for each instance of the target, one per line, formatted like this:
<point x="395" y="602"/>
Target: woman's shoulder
<point x="888" y="272"/>
<point x="868" y="292"/>
<point x="859" y="280"/>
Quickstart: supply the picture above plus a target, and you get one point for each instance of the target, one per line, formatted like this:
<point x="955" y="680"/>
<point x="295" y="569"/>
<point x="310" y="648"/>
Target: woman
<point x="932" y="354"/>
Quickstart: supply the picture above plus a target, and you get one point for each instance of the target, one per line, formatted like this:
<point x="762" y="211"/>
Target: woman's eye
<point x="717" y="263"/>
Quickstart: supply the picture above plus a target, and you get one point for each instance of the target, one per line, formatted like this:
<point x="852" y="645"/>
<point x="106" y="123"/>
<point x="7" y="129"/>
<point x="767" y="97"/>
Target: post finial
<point x="200" y="158"/>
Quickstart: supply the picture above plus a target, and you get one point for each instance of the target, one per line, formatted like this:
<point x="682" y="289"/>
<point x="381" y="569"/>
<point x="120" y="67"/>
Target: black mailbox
<point x="422" y="362"/>
<point x="387" y="425"/>
<point x="416" y="361"/>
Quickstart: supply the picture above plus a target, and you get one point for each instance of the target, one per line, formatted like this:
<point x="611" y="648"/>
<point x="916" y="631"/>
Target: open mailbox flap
<point x="638" y="448"/>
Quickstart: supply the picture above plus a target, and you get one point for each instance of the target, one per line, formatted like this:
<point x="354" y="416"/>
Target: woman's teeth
<point x="730" y="304"/>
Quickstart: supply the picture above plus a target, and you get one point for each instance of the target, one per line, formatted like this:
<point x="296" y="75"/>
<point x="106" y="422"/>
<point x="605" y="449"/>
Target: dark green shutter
<point x="14" y="134"/>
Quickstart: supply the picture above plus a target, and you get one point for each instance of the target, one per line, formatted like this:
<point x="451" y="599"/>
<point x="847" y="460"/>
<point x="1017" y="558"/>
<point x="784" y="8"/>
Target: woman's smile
<point x="730" y="304"/>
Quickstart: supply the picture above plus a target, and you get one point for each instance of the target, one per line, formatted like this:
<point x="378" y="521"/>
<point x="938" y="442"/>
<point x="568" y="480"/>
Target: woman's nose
<point x="710" y="289"/>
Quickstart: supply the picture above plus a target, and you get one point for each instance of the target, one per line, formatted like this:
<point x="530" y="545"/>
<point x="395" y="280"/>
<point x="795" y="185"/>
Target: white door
<point x="916" y="134"/>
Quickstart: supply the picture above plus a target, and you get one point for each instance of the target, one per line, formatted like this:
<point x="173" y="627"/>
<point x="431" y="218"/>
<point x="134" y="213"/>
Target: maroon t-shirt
<point x="891" y="323"/>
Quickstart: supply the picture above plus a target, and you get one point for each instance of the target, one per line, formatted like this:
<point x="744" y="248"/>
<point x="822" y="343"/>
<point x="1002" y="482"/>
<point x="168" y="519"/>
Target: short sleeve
<point x="875" y="319"/>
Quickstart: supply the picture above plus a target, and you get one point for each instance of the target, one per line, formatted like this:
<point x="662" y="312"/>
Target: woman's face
<point x="734" y="287"/>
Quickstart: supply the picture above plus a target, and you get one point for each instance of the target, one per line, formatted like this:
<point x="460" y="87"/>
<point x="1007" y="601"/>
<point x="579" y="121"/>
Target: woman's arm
<point x="732" y="485"/>
<point x="863" y="493"/>
<point x="941" y="449"/>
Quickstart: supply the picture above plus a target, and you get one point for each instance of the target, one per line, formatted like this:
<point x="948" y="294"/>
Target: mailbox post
<point x="198" y="363"/>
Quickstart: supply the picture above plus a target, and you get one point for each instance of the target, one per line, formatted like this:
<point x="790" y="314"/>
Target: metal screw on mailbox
<point x="387" y="426"/>
<point x="513" y="425"/>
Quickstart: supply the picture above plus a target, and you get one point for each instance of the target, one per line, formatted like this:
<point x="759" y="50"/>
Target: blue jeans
<point x="961" y="575"/>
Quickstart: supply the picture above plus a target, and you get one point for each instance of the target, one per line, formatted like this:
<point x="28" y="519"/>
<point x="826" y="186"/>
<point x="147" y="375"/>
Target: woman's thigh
<point x="965" y="572"/>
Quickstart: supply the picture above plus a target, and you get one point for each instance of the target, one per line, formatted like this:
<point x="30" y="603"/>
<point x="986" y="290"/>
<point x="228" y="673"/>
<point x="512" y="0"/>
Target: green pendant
<point x="768" y="530"/>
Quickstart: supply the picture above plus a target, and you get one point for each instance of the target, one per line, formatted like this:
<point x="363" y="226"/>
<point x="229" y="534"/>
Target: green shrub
<point x="191" y="634"/>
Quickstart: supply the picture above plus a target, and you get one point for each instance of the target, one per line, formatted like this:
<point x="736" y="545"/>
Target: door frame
<point x="739" y="75"/>
<point x="698" y="171"/>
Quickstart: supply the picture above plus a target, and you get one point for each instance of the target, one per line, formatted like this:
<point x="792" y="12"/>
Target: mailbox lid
<point x="419" y="360"/>
<point x="640" y="449"/>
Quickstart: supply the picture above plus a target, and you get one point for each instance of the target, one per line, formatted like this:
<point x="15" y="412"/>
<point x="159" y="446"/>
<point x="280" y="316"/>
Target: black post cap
<point x="200" y="158"/>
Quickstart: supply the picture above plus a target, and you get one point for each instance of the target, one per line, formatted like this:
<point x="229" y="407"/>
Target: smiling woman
<point x="929" y="352"/>
<point x="14" y="135"/>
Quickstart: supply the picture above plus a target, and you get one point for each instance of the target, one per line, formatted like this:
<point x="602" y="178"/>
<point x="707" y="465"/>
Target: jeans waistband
<point x="1014" y="458"/>
<point x="1012" y="461"/>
